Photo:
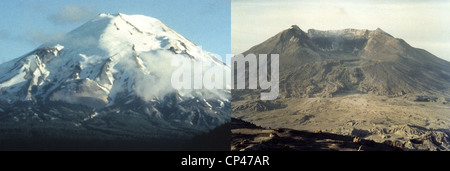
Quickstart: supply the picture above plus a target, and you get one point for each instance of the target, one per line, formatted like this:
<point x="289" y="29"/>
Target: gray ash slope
<point x="354" y="82"/>
<point x="328" y="63"/>
<point x="108" y="79"/>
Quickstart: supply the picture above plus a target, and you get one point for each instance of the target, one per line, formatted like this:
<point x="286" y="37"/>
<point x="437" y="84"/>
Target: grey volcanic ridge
<point x="327" y="63"/>
<point x="346" y="80"/>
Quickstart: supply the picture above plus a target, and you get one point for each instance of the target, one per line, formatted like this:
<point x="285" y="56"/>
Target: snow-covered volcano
<point x="118" y="64"/>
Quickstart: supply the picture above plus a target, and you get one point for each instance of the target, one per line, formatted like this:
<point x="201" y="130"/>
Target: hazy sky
<point x="423" y="24"/>
<point x="26" y="24"/>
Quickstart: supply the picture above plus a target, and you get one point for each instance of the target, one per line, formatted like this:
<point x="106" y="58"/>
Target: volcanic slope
<point x="350" y="81"/>
<point x="109" y="79"/>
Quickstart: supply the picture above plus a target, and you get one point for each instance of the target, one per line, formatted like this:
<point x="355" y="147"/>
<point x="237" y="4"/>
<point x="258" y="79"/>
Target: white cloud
<point x="73" y="14"/>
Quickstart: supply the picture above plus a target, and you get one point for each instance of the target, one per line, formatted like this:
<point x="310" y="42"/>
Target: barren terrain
<point x="249" y="137"/>
<point x="417" y="125"/>
<point x="350" y="82"/>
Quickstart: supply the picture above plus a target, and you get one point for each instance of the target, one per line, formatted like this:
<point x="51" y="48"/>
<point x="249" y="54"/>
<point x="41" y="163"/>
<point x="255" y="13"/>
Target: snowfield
<point x="116" y="68"/>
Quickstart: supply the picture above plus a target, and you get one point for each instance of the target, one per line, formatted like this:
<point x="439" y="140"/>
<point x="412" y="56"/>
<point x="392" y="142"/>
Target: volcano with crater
<point x="354" y="82"/>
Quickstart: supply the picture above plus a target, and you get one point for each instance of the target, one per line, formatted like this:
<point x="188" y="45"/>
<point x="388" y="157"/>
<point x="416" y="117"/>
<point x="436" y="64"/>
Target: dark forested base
<point x="52" y="144"/>
<point x="62" y="126"/>
<point x="216" y="140"/>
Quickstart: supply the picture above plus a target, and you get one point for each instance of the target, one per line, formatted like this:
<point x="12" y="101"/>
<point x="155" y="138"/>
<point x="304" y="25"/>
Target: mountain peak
<point x="293" y="34"/>
<point x="96" y="51"/>
<point x="363" y="47"/>
<point x="141" y="21"/>
<point x="380" y="31"/>
<point x="116" y="34"/>
<point x="295" y="27"/>
<point x="115" y="68"/>
<point x="349" y="64"/>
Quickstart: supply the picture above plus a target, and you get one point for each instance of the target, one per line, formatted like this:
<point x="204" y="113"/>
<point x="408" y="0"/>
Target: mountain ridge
<point x="118" y="67"/>
<point x="364" y="83"/>
<point x="363" y="53"/>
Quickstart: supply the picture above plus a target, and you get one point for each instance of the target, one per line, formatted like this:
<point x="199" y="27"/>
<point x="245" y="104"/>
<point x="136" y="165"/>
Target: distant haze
<point x="422" y="24"/>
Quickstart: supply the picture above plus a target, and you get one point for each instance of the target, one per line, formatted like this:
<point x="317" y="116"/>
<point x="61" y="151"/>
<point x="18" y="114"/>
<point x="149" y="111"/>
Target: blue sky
<point x="26" y="24"/>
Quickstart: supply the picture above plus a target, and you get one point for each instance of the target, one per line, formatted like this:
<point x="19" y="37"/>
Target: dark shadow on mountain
<point x="216" y="140"/>
<point x="60" y="144"/>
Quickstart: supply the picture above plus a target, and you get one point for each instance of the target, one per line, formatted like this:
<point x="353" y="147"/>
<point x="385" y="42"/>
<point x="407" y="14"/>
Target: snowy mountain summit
<point x="115" y="67"/>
